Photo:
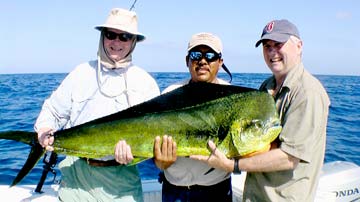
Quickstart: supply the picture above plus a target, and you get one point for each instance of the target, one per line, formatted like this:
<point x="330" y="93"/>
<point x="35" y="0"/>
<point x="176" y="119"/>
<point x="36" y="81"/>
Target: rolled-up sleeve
<point x="303" y="125"/>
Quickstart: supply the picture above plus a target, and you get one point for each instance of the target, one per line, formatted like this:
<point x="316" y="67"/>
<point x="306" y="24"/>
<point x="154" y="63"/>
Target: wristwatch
<point x="236" y="167"/>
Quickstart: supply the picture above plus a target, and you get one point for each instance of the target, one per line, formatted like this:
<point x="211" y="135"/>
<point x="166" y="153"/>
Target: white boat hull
<point x="339" y="181"/>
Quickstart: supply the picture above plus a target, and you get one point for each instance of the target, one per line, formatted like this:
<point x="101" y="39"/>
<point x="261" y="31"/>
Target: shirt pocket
<point x="80" y="100"/>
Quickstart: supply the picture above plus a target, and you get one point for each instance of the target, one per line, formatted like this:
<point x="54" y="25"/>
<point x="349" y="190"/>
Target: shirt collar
<point x="293" y="76"/>
<point x="290" y="81"/>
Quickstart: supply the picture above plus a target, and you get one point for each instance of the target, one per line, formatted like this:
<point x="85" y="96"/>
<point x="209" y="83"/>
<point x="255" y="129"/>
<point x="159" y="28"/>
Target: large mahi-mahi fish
<point x="239" y="120"/>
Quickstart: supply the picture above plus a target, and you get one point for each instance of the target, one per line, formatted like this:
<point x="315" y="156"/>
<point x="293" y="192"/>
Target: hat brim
<point x="139" y="36"/>
<point x="282" y="38"/>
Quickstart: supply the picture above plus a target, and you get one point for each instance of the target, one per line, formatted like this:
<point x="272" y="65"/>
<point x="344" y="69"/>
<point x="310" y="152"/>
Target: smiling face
<point x="117" y="48"/>
<point x="282" y="57"/>
<point x="203" y="70"/>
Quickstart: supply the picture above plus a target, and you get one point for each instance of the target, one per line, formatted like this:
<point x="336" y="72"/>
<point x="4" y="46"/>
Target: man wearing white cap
<point x="289" y="172"/>
<point x="94" y="89"/>
<point x="185" y="179"/>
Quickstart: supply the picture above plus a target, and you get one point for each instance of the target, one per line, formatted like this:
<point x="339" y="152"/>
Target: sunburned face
<point x="202" y="69"/>
<point x="282" y="57"/>
<point x="117" y="48"/>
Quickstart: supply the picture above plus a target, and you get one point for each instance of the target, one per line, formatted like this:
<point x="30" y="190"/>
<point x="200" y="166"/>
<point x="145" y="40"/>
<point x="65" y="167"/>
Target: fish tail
<point x="19" y="136"/>
<point x="35" y="153"/>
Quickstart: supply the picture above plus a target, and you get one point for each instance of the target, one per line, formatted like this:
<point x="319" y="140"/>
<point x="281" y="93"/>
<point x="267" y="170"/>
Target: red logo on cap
<point x="270" y="26"/>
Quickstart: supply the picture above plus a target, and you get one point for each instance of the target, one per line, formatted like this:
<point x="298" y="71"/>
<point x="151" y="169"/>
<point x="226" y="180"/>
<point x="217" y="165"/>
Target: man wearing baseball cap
<point x="290" y="171"/>
<point x="185" y="179"/>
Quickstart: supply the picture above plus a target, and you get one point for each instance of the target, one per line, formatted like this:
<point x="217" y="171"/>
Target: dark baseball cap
<point x="278" y="30"/>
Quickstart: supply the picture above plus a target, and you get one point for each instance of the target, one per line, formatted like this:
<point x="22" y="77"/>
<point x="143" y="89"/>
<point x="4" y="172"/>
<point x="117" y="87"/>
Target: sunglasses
<point x="124" y="37"/>
<point x="209" y="56"/>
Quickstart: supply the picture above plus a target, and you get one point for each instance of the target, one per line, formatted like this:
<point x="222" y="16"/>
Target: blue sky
<point x="43" y="36"/>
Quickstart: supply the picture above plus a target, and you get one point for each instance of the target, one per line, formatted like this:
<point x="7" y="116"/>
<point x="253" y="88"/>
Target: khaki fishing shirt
<point x="303" y="106"/>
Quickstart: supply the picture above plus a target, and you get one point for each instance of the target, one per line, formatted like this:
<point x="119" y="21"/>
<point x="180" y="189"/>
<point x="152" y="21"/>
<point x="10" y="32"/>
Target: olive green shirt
<point x="303" y="106"/>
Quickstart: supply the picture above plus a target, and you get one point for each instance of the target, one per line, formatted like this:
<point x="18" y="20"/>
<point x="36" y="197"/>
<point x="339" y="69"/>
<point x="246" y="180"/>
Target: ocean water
<point x="22" y="95"/>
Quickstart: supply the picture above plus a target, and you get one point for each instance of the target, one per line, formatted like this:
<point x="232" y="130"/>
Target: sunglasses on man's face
<point x="124" y="37"/>
<point x="209" y="56"/>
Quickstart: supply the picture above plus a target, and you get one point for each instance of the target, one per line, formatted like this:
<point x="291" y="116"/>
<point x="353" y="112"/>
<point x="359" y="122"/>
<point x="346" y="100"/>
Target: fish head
<point x="252" y="135"/>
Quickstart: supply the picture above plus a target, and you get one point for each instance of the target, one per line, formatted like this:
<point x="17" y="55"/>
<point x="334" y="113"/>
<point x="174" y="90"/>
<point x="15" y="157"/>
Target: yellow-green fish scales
<point x="239" y="120"/>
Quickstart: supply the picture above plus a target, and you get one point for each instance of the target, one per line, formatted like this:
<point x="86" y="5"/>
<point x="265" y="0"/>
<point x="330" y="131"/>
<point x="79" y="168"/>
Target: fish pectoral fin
<point x="35" y="154"/>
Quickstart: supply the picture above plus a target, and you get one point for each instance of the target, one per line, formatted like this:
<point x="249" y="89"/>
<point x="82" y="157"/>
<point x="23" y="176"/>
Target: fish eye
<point x="256" y="123"/>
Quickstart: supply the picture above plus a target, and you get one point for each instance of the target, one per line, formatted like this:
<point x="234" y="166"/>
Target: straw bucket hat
<point x="123" y="20"/>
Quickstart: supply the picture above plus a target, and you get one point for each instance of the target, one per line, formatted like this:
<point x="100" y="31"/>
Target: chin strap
<point x="227" y="71"/>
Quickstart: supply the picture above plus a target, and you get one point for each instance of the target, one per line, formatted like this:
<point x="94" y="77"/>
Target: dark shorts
<point x="196" y="193"/>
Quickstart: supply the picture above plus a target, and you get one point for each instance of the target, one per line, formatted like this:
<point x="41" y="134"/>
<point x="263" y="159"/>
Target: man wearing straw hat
<point x="92" y="90"/>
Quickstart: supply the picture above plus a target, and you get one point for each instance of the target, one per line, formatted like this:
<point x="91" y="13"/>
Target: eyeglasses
<point x="209" y="56"/>
<point x="124" y="37"/>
